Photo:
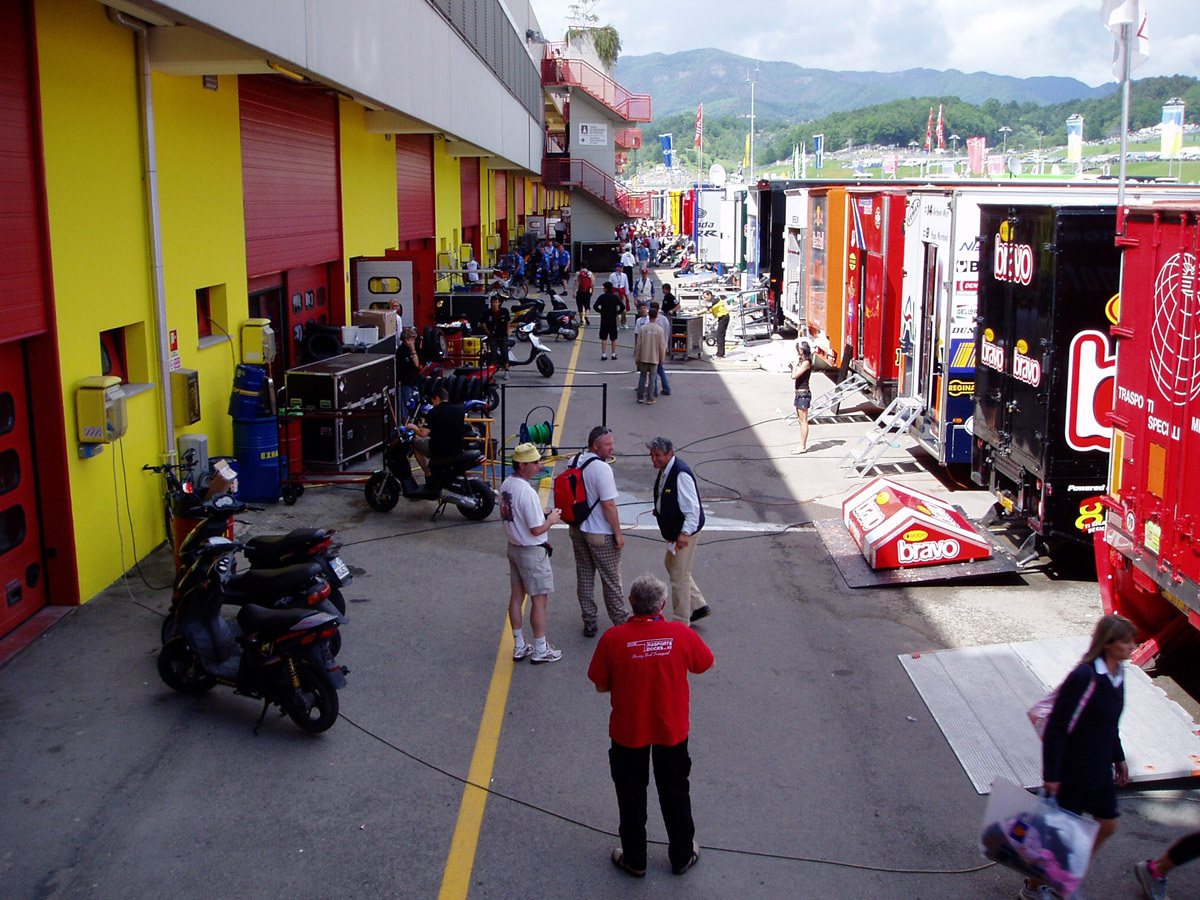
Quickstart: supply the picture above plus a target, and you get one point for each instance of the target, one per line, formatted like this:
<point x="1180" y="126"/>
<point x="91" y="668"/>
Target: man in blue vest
<point x="680" y="518"/>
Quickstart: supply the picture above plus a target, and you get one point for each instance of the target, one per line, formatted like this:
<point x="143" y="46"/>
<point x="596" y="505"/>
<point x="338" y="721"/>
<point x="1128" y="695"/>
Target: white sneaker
<point x="549" y="655"/>
<point x="519" y="653"/>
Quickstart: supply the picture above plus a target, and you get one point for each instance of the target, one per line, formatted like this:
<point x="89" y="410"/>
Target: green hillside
<point x="900" y="122"/>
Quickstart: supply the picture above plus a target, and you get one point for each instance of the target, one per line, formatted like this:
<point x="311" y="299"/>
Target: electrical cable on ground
<point x="597" y="830"/>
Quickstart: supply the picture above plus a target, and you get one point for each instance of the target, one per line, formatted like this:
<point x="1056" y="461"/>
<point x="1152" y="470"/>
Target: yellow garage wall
<point x="203" y="235"/>
<point x="447" y="203"/>
<point x="369" y="211"/>
<point x="487" y="212"/>
<point x="99" y="248"/>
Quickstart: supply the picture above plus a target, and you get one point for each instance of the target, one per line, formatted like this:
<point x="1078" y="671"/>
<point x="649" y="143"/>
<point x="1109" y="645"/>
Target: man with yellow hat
<point x="525" y="525"/>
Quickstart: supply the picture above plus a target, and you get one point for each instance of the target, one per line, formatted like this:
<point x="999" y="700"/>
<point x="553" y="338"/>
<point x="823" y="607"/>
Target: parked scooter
<point x="448" y="481"/>
<point x="279" y="656"/>
<point x="278" y="577"/>
<point x="560" y="321"/>
<point x="539" y="353"/>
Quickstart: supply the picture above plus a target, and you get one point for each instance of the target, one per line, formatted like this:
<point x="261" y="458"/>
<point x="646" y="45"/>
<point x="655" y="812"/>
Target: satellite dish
<point x="717" y="174"/>
<point x="1014" y="166"/>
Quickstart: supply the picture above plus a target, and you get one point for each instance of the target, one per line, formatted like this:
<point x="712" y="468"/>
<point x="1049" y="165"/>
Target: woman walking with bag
<point x="1083" y="762"/>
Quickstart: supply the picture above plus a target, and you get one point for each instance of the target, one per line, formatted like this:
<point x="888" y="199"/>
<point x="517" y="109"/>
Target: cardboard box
<point x="383" y="319"/>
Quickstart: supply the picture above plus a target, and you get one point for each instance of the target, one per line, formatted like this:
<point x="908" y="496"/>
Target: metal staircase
<point x="894" y="421"/>
<point x="827" y="404"/>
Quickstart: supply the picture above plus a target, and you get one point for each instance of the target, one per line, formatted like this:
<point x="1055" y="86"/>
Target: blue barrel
<point x="256" y="448"/>
<point x="247" y="385"/>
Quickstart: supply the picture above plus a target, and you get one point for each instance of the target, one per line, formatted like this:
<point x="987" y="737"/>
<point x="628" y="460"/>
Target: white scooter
<point x="539" y="353"/>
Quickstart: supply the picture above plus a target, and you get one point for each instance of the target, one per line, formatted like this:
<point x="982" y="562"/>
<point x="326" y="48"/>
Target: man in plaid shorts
<point x="597" y="540"/>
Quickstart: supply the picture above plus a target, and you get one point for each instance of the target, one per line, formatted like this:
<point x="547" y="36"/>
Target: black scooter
<point x="280" y="656"/>
<point x="447" y="481"/>
<point x="299" y="570"/>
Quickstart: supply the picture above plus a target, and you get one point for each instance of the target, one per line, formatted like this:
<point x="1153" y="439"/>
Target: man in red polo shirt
<point x="643" y="665"/>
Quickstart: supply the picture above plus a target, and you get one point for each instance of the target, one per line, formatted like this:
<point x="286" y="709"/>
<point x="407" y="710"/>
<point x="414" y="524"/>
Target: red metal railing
<point x="581" y="174"/>
<point x="559" y="69"/>
<point x="629" y="138"/>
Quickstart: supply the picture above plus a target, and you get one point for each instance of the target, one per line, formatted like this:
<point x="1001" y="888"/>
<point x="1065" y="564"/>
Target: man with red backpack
<point x="595" y="530"/>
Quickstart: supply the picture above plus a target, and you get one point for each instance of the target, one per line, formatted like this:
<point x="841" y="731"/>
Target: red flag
<point x="941" y="130"/>
<point x="699" y="126"/>
<point x="929" y="130"/>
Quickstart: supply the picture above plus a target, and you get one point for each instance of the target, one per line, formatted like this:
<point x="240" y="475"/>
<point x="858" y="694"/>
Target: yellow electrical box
<point x="100" y="409"/>
<point x="258" y="342"/>
<point x="185" y="396"/>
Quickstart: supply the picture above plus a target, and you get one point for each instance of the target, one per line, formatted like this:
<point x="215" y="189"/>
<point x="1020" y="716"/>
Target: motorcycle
<point x="280" y="656"/>
<point x="448" y="481"/>
<point x="510" y="287"/>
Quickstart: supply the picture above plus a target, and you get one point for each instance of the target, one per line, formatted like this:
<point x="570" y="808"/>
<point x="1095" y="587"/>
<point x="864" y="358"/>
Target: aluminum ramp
<point x="827" y="404"/>
<point x="893" y="422"/>
<point x="979" y="696"/>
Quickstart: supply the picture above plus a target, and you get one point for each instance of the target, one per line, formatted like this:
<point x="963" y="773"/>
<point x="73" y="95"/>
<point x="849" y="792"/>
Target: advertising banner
<point x="1172" y="131"/>
<point x="668" y="149"/>
<point x="975" y="150"/>
<point x="889" y="164"/>
<point x="819" y="151"/>
<point x="1075" y="139"/>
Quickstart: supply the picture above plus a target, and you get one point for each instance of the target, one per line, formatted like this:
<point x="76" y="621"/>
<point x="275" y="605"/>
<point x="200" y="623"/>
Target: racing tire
<point x="383" y="492"/>
<point x="485" y="499"/>
<point x="545" y="366"/>
<point x="315" y="707"/>
<point x="180" y="669"/>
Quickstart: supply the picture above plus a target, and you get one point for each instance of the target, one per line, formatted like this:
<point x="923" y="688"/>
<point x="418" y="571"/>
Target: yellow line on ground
<point x="456" y="879"/>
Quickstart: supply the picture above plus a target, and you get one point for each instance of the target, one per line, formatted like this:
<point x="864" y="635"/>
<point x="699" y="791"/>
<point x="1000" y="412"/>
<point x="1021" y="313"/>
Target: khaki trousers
<point x="685" y="596"/>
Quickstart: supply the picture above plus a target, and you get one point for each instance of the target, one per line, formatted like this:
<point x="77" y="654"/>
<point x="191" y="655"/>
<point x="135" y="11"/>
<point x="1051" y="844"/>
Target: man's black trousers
<point x="630" y="767"/>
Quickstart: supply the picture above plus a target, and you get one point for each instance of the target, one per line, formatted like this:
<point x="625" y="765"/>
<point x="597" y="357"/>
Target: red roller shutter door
<point x="289" y="175"/>
<point x="414" y="186"/>
<point x="22" y="280"/>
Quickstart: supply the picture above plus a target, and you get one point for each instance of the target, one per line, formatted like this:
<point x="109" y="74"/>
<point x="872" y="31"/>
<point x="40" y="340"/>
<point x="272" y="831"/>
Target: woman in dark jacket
<point x="1083" y="762"/>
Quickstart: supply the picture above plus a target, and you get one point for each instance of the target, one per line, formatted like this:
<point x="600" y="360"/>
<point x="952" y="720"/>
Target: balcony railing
<point x="561" y="70"/>
<point x="629" y="138"/>
<point x="581" y="174"/>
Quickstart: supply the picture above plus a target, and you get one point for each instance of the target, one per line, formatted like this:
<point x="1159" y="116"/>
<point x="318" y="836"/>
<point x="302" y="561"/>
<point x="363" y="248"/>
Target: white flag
<point x="1116" y="13"/>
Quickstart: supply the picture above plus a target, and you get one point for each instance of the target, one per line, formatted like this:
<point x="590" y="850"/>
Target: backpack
<point x="570" y="495"/>
<point x="1039" y="713"/>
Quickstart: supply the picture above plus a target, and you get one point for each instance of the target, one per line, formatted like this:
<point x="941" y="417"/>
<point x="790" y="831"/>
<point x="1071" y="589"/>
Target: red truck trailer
<point x="874" y="285"/>
<point x="1148" y="557"/>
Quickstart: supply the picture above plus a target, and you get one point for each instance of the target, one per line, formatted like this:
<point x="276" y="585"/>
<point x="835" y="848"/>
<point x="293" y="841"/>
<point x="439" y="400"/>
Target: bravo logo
<point x="991" y="355"/>
<point x="926" y="551"/>
<point x="1026" y="368"/>
<point x="1091" y="377"/>
<point x="1010" y="261"/>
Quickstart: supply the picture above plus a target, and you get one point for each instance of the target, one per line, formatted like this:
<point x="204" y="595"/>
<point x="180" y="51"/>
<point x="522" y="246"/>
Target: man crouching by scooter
<point x="444" y="432"/>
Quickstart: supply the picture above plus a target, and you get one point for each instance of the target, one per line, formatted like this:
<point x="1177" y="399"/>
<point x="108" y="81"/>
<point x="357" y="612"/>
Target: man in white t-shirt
<point x="597" y="540"/>
<point x="525" y="526"/>
<point x="620" y="285"/>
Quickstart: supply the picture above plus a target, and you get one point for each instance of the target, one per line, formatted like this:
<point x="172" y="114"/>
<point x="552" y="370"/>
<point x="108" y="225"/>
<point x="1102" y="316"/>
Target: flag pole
<point x="1127" y="34"/>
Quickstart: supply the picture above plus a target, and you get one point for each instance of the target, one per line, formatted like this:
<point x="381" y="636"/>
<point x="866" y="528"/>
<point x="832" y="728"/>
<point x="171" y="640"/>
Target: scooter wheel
<point x="292" y="492"/>
<point x="383" y="492"/>
<point x="570" y="332"/>
<point x="485" y="500"/>
<point x="545" y="366"/>
<point x="179" y="667"/>
<point x="492" y="396"/>
<point x="315" y="707"/>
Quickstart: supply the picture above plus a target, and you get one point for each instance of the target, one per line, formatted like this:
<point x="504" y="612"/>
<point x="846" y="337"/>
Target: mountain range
<point x="678" y="82"/>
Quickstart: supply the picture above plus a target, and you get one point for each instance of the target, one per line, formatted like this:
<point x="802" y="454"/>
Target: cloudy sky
<point x="1005" y="37"/>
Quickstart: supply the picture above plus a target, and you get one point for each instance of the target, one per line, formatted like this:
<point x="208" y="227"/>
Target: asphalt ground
<point x="817" y="770"/>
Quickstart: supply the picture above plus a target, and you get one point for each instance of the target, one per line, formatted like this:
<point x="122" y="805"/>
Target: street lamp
<point x="1006" y="131"/>
<point x="955" y="138"/>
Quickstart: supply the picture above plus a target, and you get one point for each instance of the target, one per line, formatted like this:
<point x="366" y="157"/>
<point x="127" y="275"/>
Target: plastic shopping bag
<point x="1032" y="835"/>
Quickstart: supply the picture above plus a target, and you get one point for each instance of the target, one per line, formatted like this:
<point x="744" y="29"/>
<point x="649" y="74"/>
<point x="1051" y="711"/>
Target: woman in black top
<point x="408" y="371"/>
<point x="801" y="372"/>
<point x="1083" y="764"/>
